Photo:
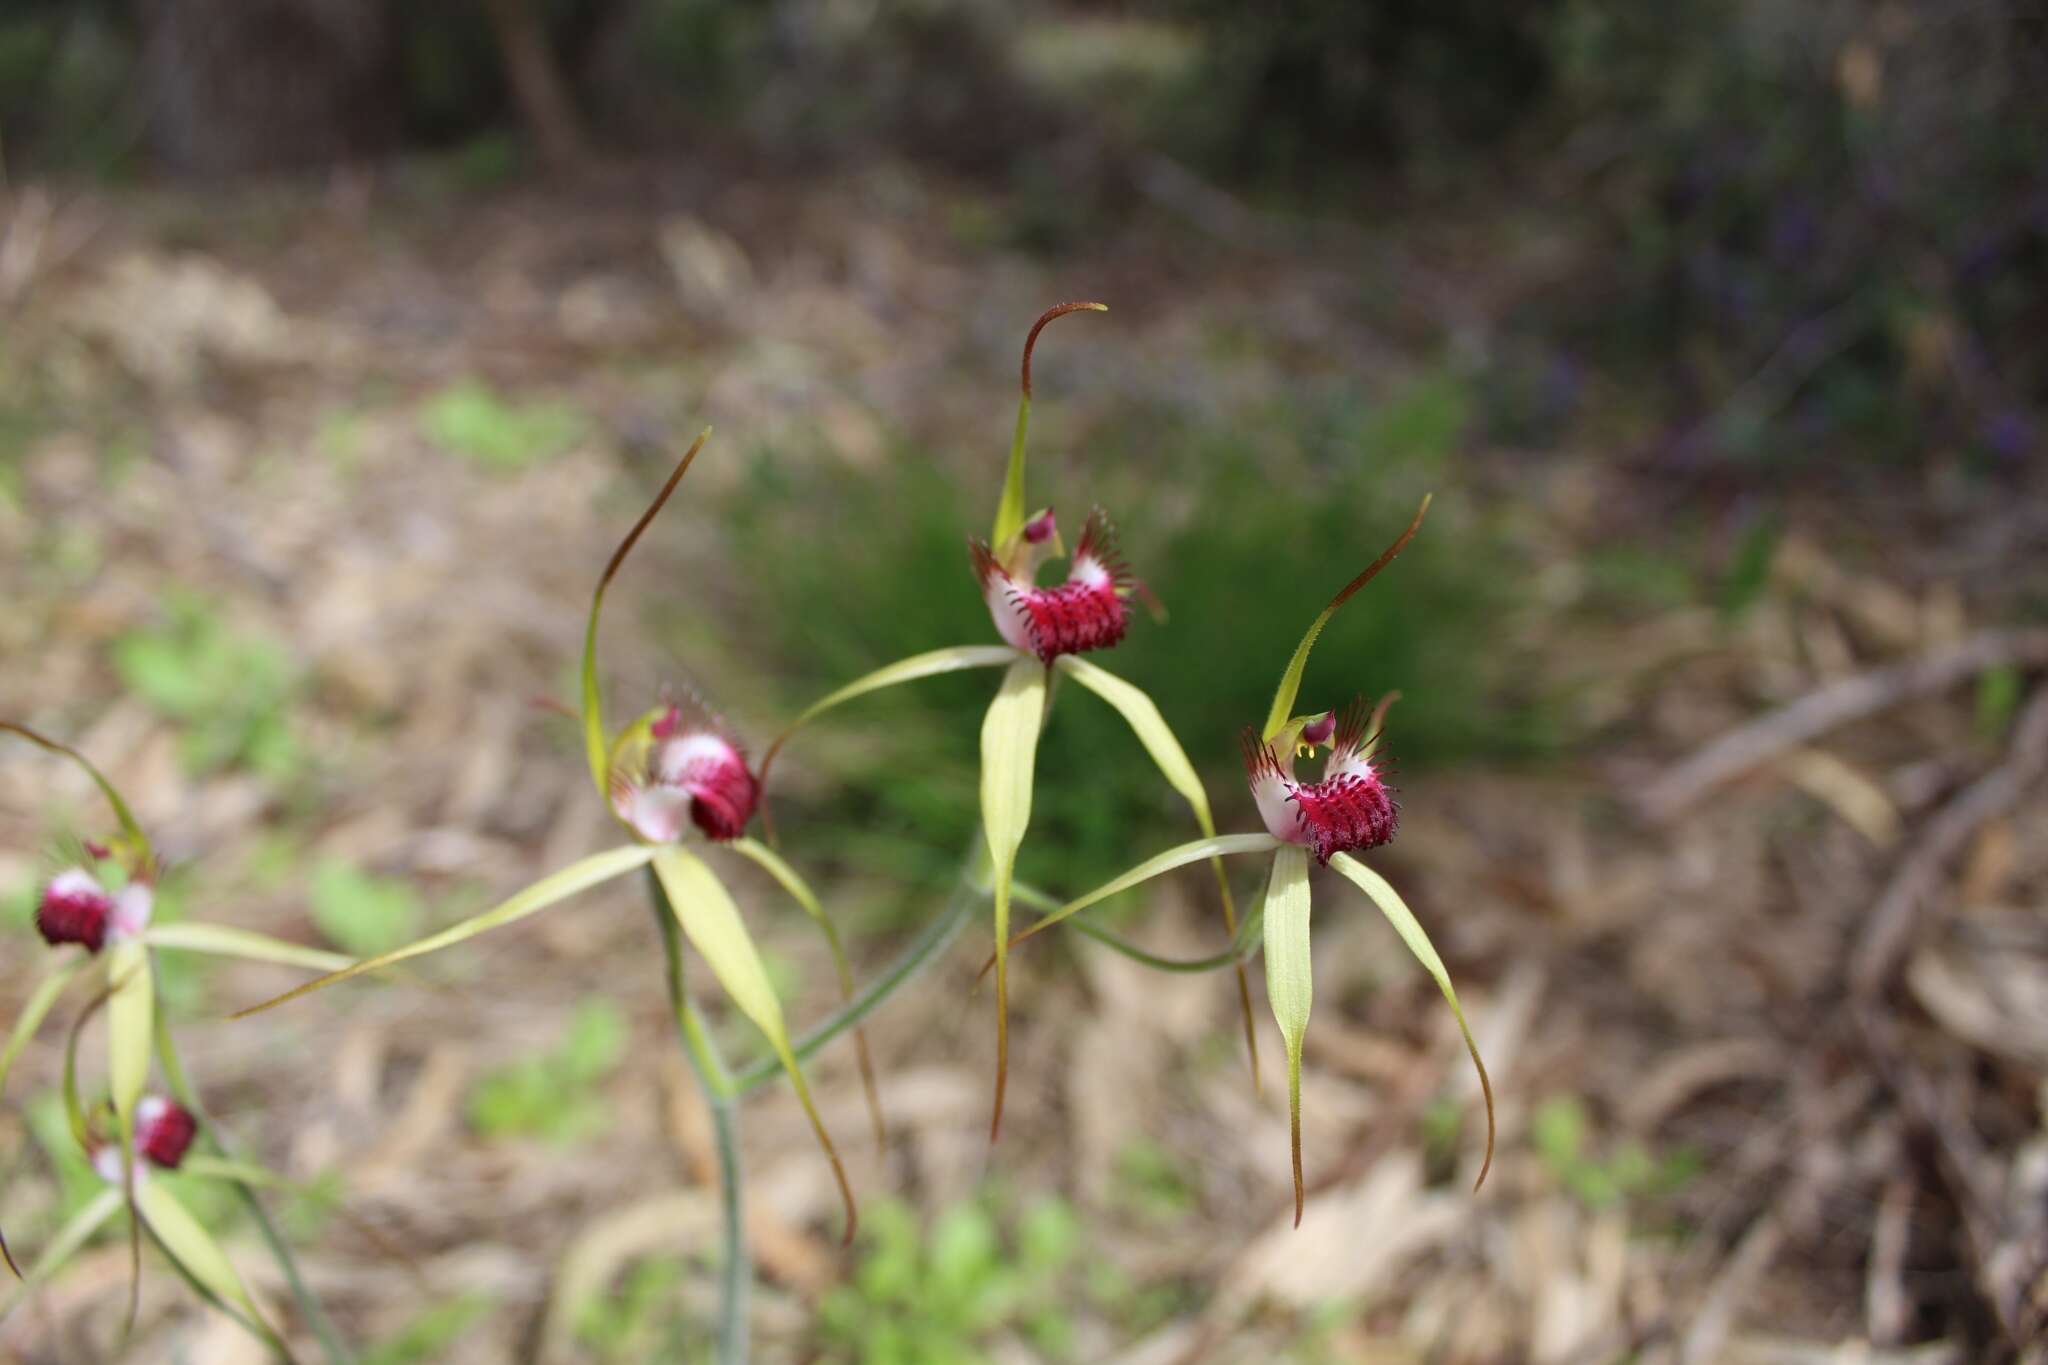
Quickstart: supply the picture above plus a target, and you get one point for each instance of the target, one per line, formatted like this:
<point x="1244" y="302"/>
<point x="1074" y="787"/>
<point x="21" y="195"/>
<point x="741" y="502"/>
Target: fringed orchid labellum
<point x="1044" y="630"/>
<point x="1349" y="809"/>
<point x="672" y="775"/>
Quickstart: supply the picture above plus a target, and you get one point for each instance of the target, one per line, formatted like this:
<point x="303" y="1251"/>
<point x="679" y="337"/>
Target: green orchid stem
<point x="1244" y="945"/>
<point x="969" y="893"/>
<point x="721" y="1097"/>
<point x="310" y="1306"/>
<point x="723" y="1089"/>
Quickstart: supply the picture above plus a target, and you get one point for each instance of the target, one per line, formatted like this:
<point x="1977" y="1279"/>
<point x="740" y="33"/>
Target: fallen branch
<point x="1813" y="715"/>
<point x="1889" y="931"/>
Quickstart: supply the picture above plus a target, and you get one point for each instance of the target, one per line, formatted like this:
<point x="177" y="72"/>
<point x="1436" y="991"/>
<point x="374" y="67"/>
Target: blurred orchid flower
<point x="1349" y="810"/>
<point x="102" y="904"/>
<point x="1045" y="630"/>
<point x="155" y="1134"/>
<point x="674" y="771"/>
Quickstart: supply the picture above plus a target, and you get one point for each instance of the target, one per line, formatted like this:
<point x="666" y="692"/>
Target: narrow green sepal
<point x="704" y="909"/>
<point x="136" y="842"/>
<point x="1290" y="680"/>
<point x="1290" y="980"/>
<point x="593" y="700"/>
<point x="1009" y="756"/>
<point x="1383" y="895"/>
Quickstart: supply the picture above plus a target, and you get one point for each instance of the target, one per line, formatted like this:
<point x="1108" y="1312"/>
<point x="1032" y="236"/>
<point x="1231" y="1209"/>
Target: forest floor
<point x="302" y="495"/>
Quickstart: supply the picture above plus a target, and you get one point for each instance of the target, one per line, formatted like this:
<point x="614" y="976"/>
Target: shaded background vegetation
<point x="1717" y="328"/>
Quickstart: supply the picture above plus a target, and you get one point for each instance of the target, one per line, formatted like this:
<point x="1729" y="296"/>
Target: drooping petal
<point x="1223" y="845"/>
<point x="1158" y="738"/>
<point x="131" y="1025"/>
<point x="928" y="665"/>
<point x="191" y="1246"/>
<point x="40" y="1002"/>
<point x="557" y="886"/>
<point x="800" y="891"/>
<point x="1290" y="980"/>
<point x="1009" y="753"/>
<point x="62" y="1247"/>
<point x="1290" y="680"/>
<point x="220" y="940"/>
<point x="235" y="1172"/>
<point x="74" y="909"/>
<point x="1410" y="929"/>
<point x="712" y="923"/>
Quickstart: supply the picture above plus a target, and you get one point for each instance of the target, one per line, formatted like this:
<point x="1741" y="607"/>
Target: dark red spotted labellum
<point x="74" y="909"/>
<point x="1351" y="808"/>
<point x="1086" y="612"/>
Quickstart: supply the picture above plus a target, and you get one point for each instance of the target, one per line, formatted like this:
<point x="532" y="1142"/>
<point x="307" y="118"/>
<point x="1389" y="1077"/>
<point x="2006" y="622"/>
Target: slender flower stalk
<point x="1350" y="809"/>
<point x="677" y="780"/>
<point x="1045" y="630"/>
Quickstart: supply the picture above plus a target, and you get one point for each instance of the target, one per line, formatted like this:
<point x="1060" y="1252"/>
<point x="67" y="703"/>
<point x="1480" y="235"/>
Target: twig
<point x="1813" y="715"/>
<point x="2004" y="1234"/>
<point x="1889" y="931"/>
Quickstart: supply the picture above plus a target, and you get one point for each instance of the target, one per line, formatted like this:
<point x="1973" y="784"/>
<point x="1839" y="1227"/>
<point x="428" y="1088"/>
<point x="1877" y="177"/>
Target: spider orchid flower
<point x="1044" y="631"/>
<point x="164" y="1135"/>
<point x="156" y="1134"/>
<point x="102" y="905"/>
<point x="1350" y="809"/>
<point x="677" y="780"/>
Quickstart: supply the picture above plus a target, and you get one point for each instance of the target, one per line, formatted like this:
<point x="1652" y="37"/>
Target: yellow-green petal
<point x="1142" y="714"/>
<point x="40" y="1002"/>
<point x="185" y="1241"/>
<point x="557" y="886"/>
<point x="800" y="891"/>
<point x="1290" y="980"/>
<point x="221" y="940"/>
<point x="235" y="1172"/>
<point x="131" y="1026"/>
<point x="1290" y="681"/>
<point x="62" y="1247"/>
<point x="1405" y="924"/>
<point x="593" y="700"/>
<point x="709" y="919"/>
<point x="928" y="665"/>
<point x="1009" y="752"/>
<point x="1222" y="846"/>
